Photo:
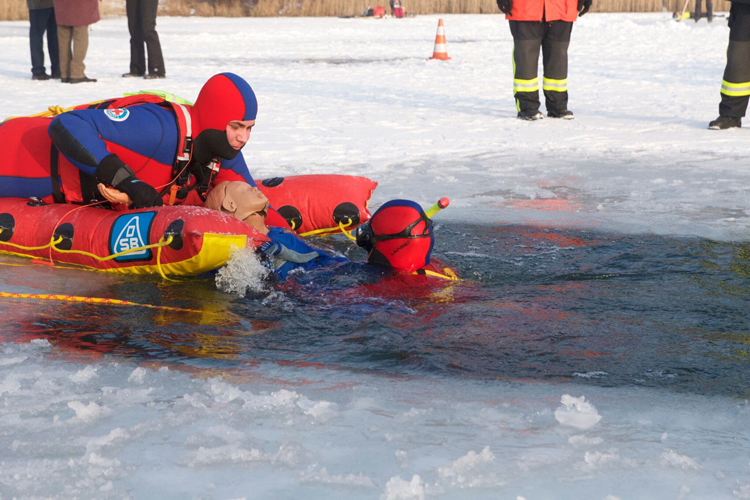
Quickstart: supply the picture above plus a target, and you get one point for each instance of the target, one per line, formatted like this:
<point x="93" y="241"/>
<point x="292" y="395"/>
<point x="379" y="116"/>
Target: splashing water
<point x="243" y="272"/>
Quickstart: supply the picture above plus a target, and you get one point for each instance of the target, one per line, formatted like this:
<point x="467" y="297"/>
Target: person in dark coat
<point x="41" y="19"/>
<point x="73" y="20"/>
<point x="142" y="27"/>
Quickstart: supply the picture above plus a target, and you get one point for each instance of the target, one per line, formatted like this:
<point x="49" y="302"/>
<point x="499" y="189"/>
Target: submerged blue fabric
<point x="296" y="244"/>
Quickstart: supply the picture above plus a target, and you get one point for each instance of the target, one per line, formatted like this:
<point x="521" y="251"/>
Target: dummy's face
<point x="251" y="204"/>
<point x="238" y="132"/>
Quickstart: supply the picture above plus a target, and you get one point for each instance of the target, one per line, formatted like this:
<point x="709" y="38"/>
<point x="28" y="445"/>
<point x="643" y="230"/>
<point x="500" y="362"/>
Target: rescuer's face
<point x="238" y="133"/>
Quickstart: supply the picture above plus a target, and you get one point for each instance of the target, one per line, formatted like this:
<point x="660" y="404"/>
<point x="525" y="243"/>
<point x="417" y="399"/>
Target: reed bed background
<point x="15" y="10"/>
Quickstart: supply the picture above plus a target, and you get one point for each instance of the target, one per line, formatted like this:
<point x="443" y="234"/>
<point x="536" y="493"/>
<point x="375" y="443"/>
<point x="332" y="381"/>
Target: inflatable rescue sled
<point x="176" y="240"/>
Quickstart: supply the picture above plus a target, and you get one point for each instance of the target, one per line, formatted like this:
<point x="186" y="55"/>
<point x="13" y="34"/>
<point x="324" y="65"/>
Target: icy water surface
<point x="535" y="304"/>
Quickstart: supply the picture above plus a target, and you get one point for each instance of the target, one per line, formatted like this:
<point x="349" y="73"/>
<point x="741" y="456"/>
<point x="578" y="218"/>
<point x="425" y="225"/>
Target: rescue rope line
<point x="52" y="245"/>
<point x="449" y="274"/>
<point x="341" y="227"/>
<point x="51" y="111"/>
<point x="93" y="300"/>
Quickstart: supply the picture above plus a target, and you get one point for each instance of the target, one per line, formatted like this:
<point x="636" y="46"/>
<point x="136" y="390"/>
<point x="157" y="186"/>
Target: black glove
<point x="505" y="6"/>
<point x="142" y="194"/>
<point x="113" y="172"/>
<point x="583" y="6"/>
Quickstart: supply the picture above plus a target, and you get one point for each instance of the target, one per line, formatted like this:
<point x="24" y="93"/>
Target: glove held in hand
<point x="505" y="6"/>
<point x="583" y="6"/>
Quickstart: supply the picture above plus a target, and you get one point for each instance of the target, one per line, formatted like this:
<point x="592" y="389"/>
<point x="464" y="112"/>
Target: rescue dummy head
<point x="222" y="117"/>
<point x="399" y="235"/>
<point x="242" y="201"/>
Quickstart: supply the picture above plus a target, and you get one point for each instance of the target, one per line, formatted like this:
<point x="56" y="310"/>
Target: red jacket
<point x="552" y="10"/>
<point x="76" y="12"/>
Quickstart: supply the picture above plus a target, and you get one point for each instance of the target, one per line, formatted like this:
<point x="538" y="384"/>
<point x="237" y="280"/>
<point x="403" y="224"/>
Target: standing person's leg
<point x="527" y="40"/>
<point x="555" y="59"/>
<point x="80" y="47"/>
<point x="151" y="37"/>
<point x="697" y="13"/>
<point x="710" y="10"/>
<point x="65" y="37"/>
<point x="735" y="87"/>
<point x="53" y="45"/>
<point x="36" y="43"/>
<point x="137" y="51"/>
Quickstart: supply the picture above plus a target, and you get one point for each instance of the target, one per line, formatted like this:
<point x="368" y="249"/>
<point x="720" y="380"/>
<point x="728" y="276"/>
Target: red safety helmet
<point x="399" y="235"/>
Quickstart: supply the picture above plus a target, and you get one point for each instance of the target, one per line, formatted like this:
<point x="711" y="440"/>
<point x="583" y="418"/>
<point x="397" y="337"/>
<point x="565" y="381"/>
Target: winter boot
<point x="565" y="115"/>
<point x="530" y="115"/>
<point x="724" y="122"/>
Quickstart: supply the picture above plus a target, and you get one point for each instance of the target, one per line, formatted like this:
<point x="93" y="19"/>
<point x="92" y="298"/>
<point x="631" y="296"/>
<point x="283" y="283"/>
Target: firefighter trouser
<point x="553" y="38"/>
<point x="735" y="89"/>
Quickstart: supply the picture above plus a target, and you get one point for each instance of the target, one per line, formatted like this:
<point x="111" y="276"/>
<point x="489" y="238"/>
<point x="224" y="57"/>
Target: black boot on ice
<point x="725" y="122"/>
<point x="565" y="115"/>
<point x="530" y="115"/>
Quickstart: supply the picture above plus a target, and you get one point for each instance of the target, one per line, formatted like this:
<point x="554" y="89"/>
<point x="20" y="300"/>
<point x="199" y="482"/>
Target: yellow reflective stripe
<point x="555" y="85"/>
<point x="525" y="85"/>
<point x="735" y="89"/>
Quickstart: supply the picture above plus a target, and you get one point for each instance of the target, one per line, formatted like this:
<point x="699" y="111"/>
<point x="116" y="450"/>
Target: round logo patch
<point x="117" y="114"/>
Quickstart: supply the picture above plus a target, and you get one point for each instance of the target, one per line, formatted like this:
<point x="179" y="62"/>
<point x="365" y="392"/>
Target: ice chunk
<point x="88" y="413"/>
<point x="400" y="489"/>
<point x="138" y="375"/>
<point x="597" y="460"/>
<point x="13" y="361"/>
<point x="672" y="459"/>
<point x="323" y="477"/>
<point x="10" y="385"/>
<point x="230" y="454"/>
<point x="577" y="413"/>
<point x="84" y="375"/>
<point x="584" y="440"/>
<point x="742" y="491"/>
<point x="471" y="471"/>
<point x="322" y="411"/>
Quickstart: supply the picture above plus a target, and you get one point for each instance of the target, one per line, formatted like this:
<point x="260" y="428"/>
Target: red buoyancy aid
<point x="550" y="10"/>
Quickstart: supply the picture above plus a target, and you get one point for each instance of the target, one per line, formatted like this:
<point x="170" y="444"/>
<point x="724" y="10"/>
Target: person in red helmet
<point x="399" y="235"/>
<point x="144" y="154"/>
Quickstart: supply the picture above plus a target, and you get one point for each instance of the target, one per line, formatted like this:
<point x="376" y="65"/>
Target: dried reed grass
<point x="16" y="10"/>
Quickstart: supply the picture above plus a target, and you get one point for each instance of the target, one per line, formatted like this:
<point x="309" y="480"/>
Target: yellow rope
<point x="51" y="111"/>
<point x="330" y="230"/>
<point x="93" y="300"/>
<point x="162" y="242"/>
<point x="449" y="274"/>
<point x="54" y="242"/>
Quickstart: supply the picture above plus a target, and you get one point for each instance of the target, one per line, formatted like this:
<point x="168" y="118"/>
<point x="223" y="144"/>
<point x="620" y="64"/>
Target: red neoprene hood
<point x="224" y="97"/>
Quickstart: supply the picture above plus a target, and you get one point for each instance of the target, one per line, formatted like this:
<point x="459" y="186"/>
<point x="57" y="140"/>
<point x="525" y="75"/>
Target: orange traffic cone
<point x="441" y="50"/>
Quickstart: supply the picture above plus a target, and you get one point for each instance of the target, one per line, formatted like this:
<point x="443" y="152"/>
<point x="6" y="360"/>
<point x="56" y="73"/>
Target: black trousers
<point x="735" y="89"/>
<point x="553" y="38"/>
<point x="42" y="20"/>
<point x="709" y="9"/>
<point x="142" y="27"/>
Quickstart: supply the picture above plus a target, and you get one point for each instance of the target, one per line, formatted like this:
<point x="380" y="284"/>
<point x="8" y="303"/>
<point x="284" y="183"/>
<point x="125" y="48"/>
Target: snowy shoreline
<point x="355" y="96"/>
